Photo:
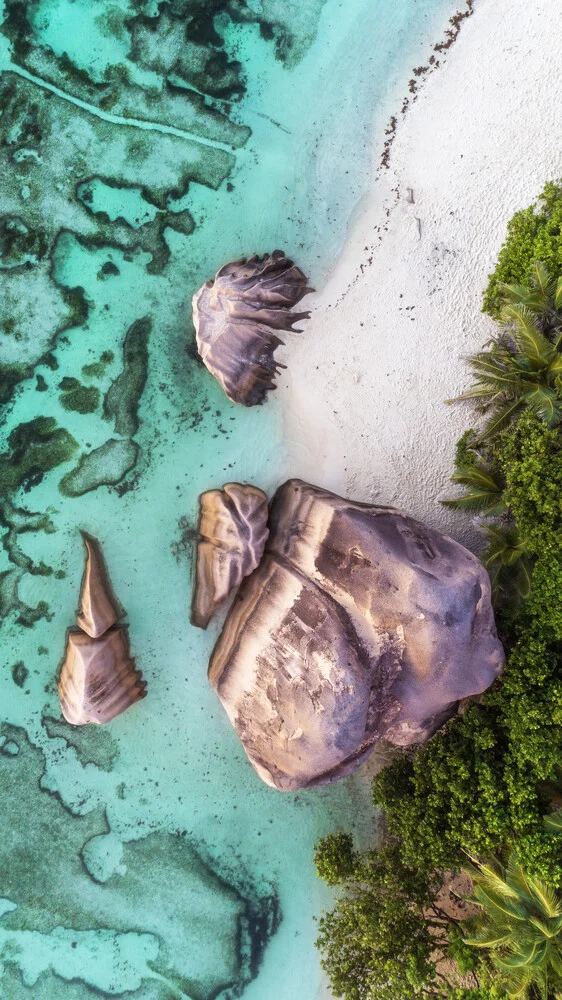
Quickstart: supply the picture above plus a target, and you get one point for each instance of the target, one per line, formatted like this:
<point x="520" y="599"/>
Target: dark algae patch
<point x="110" y="463"/>
<point x="97" y="368"/>
<point x="19" y="673"/>
<point x="109" y="269"/>
<point x="20" y="245"/>
<point x="35" y="448"/>
<point x="10" y="376"/>
<point x="93" y="744"/>
<point x="122" y="399"/>
<point x="77" y="397"/>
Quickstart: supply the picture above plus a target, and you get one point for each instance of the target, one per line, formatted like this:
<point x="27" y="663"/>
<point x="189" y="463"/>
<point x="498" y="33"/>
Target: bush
<point x="451" y="795"/>
<point x="335" y="858"/>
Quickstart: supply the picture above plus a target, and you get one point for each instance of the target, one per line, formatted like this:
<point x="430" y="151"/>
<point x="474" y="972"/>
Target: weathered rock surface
<point x="99" y="608"/>
<point x="360" y="624"/>
<point x="236" y="317"/>
<point x="232" y="536"/>
<point x="98" y="680"/>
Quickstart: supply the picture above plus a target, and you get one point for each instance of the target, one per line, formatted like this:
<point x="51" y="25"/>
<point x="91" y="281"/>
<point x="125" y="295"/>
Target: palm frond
<point x="543" y="281"/>
<point x="495" y="370"/>
<point x="556" y="960"/>
<point x="496" y="905"/>
<point x="558" y="294"/>
<point x="476" y="392"/>
<point x="544" y="402"/>
<point x="522" y="578"/>
<point x="553" y="822"/>
<point x="546" y="897"/>
<point x="515" y="293"/>
<point x="476" y="476"/>
<point x="484" y="492"/>
<point x="489" y="940"/>
<point x="475" y="500"/>
<point x="527" y="334"/>
<point x="518" y="984"/>
<point x="550" y="927"/>
<point x="506" y="543"/>
<point x="529" y="956"/>
<point x="555" y="366"/>
<point x="499" y="420"/>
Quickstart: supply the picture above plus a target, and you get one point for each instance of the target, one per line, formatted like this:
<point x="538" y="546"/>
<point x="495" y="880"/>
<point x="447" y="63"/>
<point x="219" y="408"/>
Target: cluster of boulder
<point x="351" y="623"/>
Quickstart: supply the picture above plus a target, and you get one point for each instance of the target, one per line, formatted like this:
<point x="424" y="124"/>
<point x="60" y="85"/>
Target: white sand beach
<point x="363" y="396"/>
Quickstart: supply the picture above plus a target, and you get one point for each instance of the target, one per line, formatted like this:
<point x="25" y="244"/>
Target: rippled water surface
<point x="143" y="144"/>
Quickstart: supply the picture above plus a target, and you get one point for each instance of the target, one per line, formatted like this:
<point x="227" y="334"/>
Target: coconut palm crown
<point x="523" y="366"/>
<point x="520" y="923"/>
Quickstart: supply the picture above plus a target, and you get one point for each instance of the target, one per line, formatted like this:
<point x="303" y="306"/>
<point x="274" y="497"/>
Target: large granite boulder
<point x="359" y="624"/>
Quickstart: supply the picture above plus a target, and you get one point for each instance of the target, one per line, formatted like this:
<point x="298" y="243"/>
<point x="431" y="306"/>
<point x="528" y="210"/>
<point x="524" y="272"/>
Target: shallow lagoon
<point x="148" y="857"/>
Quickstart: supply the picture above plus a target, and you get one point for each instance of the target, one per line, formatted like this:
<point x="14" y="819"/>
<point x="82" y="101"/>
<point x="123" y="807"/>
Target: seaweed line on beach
<point x="421" y="72"/>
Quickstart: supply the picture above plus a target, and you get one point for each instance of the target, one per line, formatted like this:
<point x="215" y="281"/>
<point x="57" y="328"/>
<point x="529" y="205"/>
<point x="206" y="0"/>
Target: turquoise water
<point x="143" y="144"/>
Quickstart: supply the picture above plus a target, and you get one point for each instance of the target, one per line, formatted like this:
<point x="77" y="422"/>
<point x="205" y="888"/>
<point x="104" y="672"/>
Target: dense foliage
<point x="386" y="934"/>
<point x="535" y="233"/>
<point x="483" y="784"/>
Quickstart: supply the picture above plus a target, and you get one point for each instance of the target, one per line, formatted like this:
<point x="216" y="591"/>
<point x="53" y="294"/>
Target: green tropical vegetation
<point x="534" y="233"/>
<point x="480" y="797"/>
<point x="522" y="368"/>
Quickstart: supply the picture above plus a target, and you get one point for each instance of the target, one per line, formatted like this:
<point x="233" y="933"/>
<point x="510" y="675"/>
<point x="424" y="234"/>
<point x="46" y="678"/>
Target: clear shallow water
<point x="147" y="858"/>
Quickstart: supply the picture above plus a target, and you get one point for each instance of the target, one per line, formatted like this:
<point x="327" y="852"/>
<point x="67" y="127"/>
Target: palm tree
<point x="484" y="488"/>
<point x="523" y="367"/>
<point x="520" y="924"/>
<point x="553" y="821"/>
<point x="508" y="562"/>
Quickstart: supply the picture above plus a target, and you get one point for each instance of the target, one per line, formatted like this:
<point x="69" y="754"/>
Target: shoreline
<point x="363" y="395"/>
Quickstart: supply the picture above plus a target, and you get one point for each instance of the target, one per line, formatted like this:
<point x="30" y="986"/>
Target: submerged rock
<point x="360" y="624"/>
<point x="232" y="536"/>
<point x="236" y="317"/>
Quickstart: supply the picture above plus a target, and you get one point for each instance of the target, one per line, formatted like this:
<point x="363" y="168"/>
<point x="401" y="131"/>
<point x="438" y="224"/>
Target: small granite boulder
<point x="232" y="537"/>
<point x="99" y="608"/>
<point x="359" y="624"/>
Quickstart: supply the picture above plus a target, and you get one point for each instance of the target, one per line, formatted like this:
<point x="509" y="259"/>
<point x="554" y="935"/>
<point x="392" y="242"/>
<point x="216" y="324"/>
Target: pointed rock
<point x="232" y="536"/>
<point x="99" y="608"/>
<point x="98" y="679"/>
